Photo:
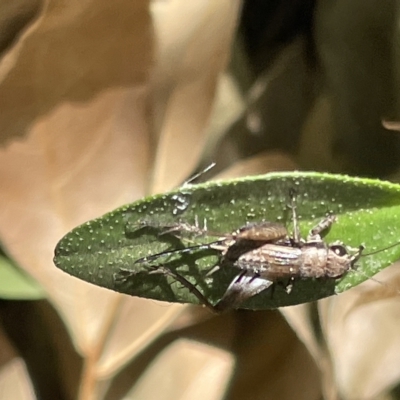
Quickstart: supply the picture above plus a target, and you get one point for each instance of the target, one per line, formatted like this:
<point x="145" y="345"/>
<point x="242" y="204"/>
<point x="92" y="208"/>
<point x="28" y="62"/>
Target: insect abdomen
<point x="272" y="262"/>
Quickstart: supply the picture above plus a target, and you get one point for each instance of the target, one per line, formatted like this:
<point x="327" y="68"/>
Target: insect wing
<point x="263" y="231"/>
<point x="243" y="287"/>
<point x="273" y="262"/>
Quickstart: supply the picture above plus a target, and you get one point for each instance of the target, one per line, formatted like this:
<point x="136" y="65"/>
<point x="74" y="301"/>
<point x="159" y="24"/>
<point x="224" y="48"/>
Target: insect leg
<point x="125" y="274"/>
<point x="293" y="206"/>
<point x="323" y="225"/>
<point x="189" y="285"/>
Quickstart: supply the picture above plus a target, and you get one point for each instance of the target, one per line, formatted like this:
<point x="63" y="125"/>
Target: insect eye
<point x="339" y="250"/>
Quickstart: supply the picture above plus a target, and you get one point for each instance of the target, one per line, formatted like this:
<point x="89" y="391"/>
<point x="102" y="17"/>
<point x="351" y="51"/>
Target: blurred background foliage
<point x="105" y="102"/>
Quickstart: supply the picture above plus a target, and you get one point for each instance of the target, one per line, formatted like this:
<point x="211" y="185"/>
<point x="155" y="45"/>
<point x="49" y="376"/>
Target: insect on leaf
<point x="103" y="250"/>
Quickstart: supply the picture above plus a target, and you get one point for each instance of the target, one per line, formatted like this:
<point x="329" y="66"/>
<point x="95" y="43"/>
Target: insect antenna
<point x="189" y="249"/>
<point x="199" y="174"/>
<point x="378" y="251"/>
<point x="384" y="284"/>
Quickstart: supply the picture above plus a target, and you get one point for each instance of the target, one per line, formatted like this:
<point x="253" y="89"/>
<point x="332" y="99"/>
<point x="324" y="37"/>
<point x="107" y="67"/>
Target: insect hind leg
<point x="159" y="269"/>
<point x="189" y="285"/>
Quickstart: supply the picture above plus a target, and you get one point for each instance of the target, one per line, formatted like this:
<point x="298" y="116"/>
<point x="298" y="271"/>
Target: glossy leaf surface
<point x="368" y="213"/>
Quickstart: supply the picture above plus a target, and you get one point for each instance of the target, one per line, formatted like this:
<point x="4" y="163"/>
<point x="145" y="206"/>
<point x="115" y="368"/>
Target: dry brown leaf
<point x="361" y="328"/>
<point x="14" y="381"/>
<point x="75" y="89"/>
<point x="265" y="119"/>
<point x="354" y="44"/>
<point x="391" y="125"/>
<point x="186" y="370"/>
<point x="262" y="163"/>
<point x="147" y="317"/>
<point x="191" y="57"/>
<point x="229" y="105"/>
<point x="315" y="150"/>
<point x="298" y="318"/>
<point x="7" y="352"/>
<point x="72" y="54"/>
<point x="271" y="362"/>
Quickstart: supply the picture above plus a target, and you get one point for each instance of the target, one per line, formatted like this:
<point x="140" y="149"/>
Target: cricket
<point x="265" y="255"/>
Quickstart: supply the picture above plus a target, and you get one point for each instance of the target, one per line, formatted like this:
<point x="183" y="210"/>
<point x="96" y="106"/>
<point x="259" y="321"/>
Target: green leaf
<point x="368" y="213"/>
<point x="15" y="284"/>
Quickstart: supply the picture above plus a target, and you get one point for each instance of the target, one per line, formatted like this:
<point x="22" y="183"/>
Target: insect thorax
<point x="325" y="261"/>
